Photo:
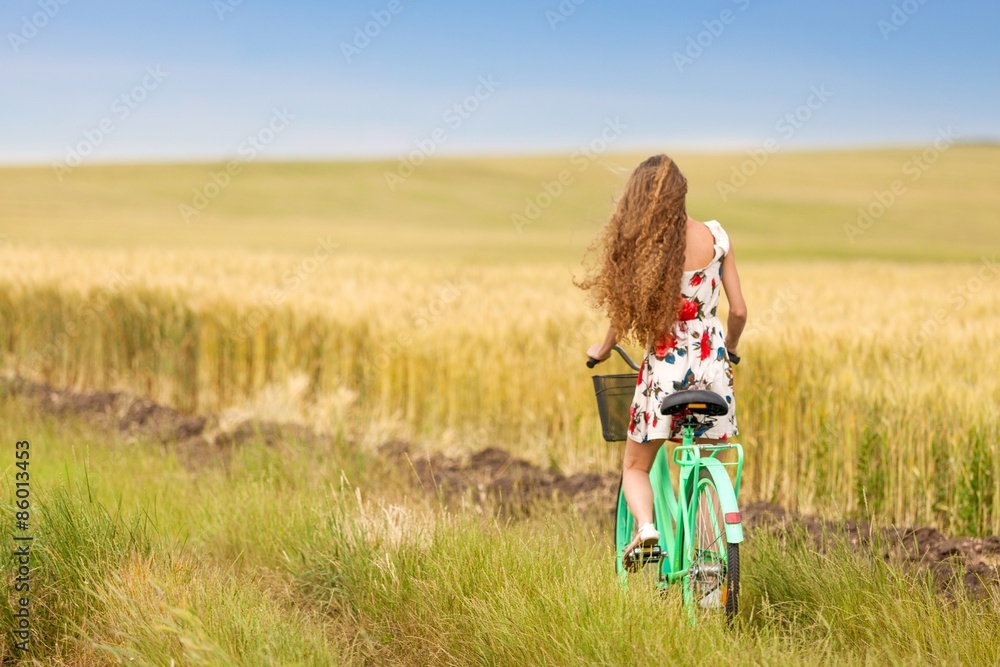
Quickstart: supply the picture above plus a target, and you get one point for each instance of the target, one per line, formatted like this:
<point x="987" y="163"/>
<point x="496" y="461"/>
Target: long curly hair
<point x="641" y="249"/>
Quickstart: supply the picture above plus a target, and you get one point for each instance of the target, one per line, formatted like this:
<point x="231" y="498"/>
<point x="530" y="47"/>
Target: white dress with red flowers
<point x="694" y="357"/>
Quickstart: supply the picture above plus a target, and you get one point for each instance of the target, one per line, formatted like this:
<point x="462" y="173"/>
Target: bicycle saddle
<point x="695" y="401"/>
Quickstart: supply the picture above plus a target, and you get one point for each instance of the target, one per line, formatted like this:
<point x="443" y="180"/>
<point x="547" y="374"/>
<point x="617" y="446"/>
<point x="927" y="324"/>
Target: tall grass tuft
<point x="76" y="542"/>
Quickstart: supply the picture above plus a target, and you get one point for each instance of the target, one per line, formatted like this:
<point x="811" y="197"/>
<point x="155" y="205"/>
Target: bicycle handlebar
<point x="591" y="362"/>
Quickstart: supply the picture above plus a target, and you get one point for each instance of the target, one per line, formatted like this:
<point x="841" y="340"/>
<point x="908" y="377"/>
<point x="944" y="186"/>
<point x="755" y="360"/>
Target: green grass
<point x="323" y="555"/>
<point x="794" y="206"/>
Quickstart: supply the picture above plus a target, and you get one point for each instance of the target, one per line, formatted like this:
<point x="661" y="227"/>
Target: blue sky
<point x="559" y="75"/>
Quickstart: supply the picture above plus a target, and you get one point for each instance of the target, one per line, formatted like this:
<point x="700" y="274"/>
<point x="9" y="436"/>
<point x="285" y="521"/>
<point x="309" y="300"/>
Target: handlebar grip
<point x="592" y="362"/>
<point x="733" y="358"/>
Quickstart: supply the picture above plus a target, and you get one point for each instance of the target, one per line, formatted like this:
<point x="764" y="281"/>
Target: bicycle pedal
<point x="643" y="555"/>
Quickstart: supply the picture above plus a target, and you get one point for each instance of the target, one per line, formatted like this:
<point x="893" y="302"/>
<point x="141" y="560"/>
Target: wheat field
<point x="844" y="403"/>
<point x="870" y="381"/>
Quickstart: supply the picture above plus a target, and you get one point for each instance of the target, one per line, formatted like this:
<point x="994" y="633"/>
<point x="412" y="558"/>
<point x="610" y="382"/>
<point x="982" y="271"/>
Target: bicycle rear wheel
<point x="713" y="580"/>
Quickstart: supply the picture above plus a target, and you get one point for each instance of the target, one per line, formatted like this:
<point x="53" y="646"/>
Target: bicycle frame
<point x="678" y="509"/>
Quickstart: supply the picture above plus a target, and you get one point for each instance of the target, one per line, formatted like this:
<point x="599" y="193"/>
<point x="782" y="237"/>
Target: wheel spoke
<point x="709" y="577"/>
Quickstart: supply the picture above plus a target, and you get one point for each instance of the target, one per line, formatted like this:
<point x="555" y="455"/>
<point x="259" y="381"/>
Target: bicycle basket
<point x="614" y="402"/>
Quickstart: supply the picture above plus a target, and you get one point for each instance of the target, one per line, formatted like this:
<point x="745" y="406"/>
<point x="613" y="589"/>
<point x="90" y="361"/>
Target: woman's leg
<point x="638" y="492"/>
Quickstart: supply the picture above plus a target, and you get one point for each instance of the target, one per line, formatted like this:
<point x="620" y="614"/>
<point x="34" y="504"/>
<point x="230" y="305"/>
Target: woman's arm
<point x="737" y="306"/>
<point x="601" y="351"/>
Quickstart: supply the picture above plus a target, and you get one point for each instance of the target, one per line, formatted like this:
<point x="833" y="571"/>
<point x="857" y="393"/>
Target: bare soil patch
<point x="494" y="477"/>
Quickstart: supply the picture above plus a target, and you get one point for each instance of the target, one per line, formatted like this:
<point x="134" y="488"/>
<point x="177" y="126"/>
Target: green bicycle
<point x="700" y="526"/>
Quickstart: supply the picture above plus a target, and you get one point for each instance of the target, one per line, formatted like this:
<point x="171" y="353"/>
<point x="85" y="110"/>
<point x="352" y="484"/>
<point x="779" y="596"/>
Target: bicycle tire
<point x="711" y="550"/>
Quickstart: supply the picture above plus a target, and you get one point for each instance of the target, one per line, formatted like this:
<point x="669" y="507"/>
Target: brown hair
<point x="641" y="250"/>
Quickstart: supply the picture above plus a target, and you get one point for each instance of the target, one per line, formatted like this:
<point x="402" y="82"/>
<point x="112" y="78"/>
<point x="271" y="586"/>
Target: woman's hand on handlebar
<point x="596" y="354"/>
<point x="599" y="352"/>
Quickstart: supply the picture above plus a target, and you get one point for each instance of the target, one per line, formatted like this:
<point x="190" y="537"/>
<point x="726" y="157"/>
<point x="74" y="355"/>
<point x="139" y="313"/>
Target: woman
<point x="659" y="280"/>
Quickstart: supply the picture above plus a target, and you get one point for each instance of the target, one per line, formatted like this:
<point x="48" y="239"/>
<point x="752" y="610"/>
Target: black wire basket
<point x="614" y="403"/>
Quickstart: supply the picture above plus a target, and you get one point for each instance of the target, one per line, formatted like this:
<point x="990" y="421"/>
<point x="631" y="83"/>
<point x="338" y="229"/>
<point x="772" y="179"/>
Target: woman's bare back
<point x="700" y="248"/>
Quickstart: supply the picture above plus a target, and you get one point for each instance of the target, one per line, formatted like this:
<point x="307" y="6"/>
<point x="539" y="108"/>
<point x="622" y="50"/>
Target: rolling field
<point x="794" y="206"/>
<point x="443" y="314"/>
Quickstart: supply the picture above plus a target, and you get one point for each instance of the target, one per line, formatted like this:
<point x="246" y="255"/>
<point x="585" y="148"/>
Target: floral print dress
<point x="693" y="357"/>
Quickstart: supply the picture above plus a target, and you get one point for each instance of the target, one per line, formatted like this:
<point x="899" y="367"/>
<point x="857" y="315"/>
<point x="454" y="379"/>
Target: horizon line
<point x="464" y="154"/>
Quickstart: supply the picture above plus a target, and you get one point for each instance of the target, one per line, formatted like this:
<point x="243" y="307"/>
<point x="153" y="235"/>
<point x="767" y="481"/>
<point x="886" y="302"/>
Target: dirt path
<point x="493" y="476"/>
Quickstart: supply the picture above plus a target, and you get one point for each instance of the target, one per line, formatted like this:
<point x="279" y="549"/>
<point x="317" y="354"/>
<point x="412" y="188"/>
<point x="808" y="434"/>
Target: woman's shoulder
<point x="721" y="237"/>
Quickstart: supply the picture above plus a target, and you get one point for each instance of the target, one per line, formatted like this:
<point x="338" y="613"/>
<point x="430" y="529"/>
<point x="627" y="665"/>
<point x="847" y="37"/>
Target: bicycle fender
<point x="727" y="497"/>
